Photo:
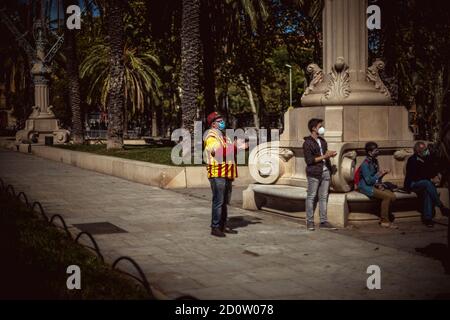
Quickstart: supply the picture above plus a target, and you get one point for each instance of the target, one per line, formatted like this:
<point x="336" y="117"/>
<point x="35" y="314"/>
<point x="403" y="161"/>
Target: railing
<point x="102" y="134"/>
<point x="142" y="279"/>
<point x="96" y="134"/>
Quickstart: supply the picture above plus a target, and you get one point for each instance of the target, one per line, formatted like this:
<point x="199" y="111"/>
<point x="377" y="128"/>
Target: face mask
<point x="375" y="153"/>
<point x="321" y="131"/>
<point x="426" y="153"/>
<point x="221" y="126"/>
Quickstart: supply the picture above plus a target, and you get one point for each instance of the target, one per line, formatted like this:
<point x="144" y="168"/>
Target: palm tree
<point x="73" y="80"/>
<point x="142" y="83"/>
<point x="190" y="61"/>
<point x="116" y="95"/>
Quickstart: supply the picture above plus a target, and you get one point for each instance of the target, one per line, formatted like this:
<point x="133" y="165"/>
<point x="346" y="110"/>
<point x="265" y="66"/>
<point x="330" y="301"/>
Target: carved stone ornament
<point x="401" y="155"/>
<point x="373" y="75"/>
<point x="286" y="154"/>
<point x="316" y="77"/>
<point x="350" y="154"/>
<point x="338" y="80"/>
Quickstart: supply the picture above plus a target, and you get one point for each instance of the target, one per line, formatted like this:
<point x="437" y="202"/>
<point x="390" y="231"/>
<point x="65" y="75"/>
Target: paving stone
<point x="270" y="258"/>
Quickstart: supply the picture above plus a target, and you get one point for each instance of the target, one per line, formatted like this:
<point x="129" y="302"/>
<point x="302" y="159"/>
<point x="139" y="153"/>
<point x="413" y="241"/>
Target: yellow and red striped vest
<point x="216" y="147"/>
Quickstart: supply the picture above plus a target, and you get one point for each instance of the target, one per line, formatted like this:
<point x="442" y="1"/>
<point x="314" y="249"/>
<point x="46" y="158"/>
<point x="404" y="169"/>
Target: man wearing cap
<point x="220" y="155"/>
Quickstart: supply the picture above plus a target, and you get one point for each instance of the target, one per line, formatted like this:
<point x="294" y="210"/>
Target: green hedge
<point x="36" y="256"/>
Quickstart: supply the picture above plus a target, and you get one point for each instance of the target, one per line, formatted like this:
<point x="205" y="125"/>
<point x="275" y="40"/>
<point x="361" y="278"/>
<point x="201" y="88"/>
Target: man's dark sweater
<point x="311" y="150"/>
<point x="418" y="168"/>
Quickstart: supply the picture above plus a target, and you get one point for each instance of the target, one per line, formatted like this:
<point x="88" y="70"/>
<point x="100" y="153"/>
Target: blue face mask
<point x="221" y="125"/>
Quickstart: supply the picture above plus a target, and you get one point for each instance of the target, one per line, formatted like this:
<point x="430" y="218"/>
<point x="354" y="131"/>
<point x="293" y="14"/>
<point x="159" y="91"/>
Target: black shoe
<point x="327" y="226"/>
<point x="429" y="223"/>
<point x="229" y="230"/>
<point x="310" y="226"/>
<point x="216" y="232"/>
<point x="445" y="211"/>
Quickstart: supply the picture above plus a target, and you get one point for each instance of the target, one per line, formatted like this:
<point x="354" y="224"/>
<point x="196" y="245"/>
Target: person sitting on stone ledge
<point x="370" y="184"/>
<point x="421" y="178"/>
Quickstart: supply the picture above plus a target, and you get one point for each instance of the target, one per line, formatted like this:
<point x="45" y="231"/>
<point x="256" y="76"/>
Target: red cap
<point x="212" y="116"/>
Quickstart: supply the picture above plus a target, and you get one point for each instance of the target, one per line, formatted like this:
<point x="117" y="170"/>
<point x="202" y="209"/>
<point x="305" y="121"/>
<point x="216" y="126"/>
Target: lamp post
<point x="290" y="84"/>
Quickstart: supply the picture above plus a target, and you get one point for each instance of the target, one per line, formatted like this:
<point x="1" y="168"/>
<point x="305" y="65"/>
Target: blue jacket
<point x="368" y="177"/>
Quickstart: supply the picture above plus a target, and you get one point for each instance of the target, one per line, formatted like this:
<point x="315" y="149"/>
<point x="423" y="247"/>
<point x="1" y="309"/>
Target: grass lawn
<point x="35" y="257"/>
<point x="154" y="154"/>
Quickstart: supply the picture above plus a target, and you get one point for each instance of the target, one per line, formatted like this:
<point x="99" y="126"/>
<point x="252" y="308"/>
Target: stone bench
<point x="299" y="193"/>
<point x="290" y="200"/>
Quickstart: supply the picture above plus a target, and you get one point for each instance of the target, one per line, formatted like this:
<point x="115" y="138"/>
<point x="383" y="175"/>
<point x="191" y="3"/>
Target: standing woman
<point x="370" y="183"/>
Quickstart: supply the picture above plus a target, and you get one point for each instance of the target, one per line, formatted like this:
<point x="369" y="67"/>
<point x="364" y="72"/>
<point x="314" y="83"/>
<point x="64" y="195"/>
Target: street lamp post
<point x="290" y="84"/>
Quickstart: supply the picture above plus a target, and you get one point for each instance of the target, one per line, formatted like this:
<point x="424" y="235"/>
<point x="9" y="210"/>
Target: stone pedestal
<point x="356" y="108"/>
<point x="42" y="121"/>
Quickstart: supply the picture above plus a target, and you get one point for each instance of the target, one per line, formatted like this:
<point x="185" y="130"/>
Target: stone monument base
<point x="343" y="208"/>
<point x="36" y="129"/>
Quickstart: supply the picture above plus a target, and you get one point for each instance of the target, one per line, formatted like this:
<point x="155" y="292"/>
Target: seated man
<point x="421" y="178"/>
<point x="370" y="184"/>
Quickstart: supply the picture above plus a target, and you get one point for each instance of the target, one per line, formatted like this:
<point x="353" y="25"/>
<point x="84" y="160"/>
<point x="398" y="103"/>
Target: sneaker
<point x="388" y="225"/>
<point x="229" y="230"/>
<point x="429" y="223"/>
<point x="310" y="226"/>
<point x="216" y="232"/>
<point x="327" y="226"/>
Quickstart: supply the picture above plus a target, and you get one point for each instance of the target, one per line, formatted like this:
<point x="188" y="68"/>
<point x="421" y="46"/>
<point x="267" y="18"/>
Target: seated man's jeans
<point x="430" y="196"/>
<point x="221" y="192"/>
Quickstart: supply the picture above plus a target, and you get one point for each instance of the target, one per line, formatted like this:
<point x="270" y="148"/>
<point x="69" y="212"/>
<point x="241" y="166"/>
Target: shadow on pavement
<point x="438" y="251"/>
<point x="242" y="221"/>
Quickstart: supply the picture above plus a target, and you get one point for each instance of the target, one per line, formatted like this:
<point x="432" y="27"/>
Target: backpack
<point x="357" y="175"/>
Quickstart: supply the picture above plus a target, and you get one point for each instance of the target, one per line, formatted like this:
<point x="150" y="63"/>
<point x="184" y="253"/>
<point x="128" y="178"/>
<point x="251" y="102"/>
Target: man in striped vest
<point x="220" y="155"/>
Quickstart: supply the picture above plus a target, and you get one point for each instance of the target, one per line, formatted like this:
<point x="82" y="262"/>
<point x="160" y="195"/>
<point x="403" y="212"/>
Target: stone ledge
<point x="299" y="193"/>
<point x="342" y="207"/>
<point x="158" y="175"/>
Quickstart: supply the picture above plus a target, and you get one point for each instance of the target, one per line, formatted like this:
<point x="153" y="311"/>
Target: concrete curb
<point x="162" y="176"/>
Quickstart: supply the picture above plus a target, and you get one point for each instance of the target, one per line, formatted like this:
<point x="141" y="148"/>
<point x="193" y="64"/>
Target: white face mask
<point x="321" y="131"/>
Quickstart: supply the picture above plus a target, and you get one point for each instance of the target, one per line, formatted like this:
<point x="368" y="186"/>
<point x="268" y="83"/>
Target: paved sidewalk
<point x="270" y="258"/>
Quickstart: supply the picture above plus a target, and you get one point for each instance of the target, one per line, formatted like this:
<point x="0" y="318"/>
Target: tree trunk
<point x="190" y="62"/>
<point x="207" y="39"/>
<point x="125" y="120"/>
<point x="116" y="97"/>
<point x="154" y="124"/>
<point x="261" y="104"/>
<point x="439" y="96"/>
<point x="248" y="90"/>
<point x="77" y="131"/>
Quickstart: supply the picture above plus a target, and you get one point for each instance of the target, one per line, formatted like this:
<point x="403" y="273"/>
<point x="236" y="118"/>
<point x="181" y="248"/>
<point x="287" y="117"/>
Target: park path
<point x="270" y="258"/>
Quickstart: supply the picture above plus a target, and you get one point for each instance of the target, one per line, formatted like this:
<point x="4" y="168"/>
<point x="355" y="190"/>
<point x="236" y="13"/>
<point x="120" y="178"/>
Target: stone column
<point x="42" y="121"/>
<point x="41" y="72"/>
<point x="345" y="35"/>
<point x="345" y="78"/>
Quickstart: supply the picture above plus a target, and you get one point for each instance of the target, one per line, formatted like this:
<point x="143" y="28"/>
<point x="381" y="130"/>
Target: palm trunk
<point x="207" y="39"/>
<point x="73" y="81"/>
<point x="190" y="61"/>
<point x="116" y="95"/>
